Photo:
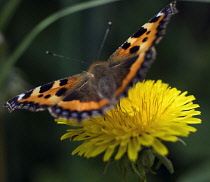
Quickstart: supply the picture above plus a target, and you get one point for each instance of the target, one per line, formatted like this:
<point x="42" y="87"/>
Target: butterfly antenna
<point x="64" y="57"/>
<point x="105" y="36"/>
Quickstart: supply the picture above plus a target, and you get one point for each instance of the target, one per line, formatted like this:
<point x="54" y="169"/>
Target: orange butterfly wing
<point x="147" y="36"/>
<point x="139" y="50"/>
<point x="44" y="96"/>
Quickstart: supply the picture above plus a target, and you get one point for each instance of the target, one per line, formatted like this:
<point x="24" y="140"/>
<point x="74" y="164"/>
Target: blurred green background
<point x="30" y="146"/>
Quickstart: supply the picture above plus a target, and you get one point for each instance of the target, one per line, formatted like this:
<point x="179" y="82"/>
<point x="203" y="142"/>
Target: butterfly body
<point x="92" y="92"/>
<point x="103" y="81"/>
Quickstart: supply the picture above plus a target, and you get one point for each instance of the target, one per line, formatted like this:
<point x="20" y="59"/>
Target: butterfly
<point x="93" y="92"/>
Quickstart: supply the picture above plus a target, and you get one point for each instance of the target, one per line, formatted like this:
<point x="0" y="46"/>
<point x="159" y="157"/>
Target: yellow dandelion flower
<point x="152" y="113"/>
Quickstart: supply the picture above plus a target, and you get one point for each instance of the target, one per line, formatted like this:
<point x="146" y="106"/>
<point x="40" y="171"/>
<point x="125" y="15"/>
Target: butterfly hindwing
<point x="133" y="73"/>
<point x="82" y="102"/>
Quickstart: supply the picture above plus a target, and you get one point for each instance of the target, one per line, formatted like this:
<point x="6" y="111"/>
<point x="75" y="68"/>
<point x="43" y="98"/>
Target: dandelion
<point x="152" y="114"/>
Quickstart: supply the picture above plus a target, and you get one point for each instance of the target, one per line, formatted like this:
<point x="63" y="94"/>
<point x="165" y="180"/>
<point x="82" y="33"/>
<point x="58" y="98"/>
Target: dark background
<point x="30" y="146"/>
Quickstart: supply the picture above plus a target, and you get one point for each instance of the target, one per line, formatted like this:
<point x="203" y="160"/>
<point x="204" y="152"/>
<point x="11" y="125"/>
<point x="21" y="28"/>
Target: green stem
<point x="39" y="28"/>
<point x="141" y="174"/>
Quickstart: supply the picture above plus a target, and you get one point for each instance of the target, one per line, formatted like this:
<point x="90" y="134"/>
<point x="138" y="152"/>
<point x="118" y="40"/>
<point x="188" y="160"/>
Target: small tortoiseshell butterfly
<point x="92" y="92"/>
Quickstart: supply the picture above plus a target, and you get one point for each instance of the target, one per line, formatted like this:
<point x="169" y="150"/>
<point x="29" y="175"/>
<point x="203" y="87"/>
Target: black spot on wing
<point x="134" y="49"/>
<point x="140" y="32"/>
<point x="148" y="32"/>
<point x="41" y="95"/>
<point x="154" y="19"/>
<point x="145" y="39"/>
<point x="63" y="82"/>
<point x="126" y="45"/>
<point x="61" y="92"/>
<point x="27" y="94"/>
<point x="46" y="87"/>
<point x="47" y="96"/>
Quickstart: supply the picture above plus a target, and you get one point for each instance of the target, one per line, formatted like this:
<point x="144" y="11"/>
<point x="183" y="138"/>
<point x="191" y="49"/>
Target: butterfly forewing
<point x="138" y="52"/>
<point x="45" y="96"/>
